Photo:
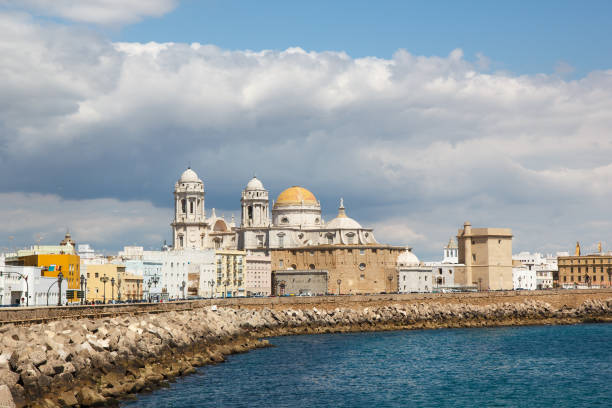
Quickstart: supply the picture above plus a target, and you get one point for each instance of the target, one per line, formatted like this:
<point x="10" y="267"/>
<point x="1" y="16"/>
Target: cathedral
<point x="292" y="233"/>
<point x="295" y="220"/>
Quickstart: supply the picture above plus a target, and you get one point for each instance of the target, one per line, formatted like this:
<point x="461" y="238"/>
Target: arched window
<point x="184" y="206"/>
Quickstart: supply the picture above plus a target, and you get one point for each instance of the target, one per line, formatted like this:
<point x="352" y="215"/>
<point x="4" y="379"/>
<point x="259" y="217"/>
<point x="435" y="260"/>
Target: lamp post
<point x="609" y="276"/>
<point x="226" y="283"/>
<point x="118" y="287"/>
<point x="60" y="276"/>
<point x="339" y="281"/>
<point x="138" y="289"/>
<point x="83" y="284"/>
<point x="390" y="278"/>
<point x="153" y="280"/>
<point x="183" y="284"/>
<point x="479" y="284"/>
<point x="112" y="290"/>
<point x="211" y="283"/>
<point x="104" y="279"/>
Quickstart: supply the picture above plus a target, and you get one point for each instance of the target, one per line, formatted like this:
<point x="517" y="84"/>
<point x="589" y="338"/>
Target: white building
<point x="544" y="279"/>
<point x="17" y="282"/>
<point x="524" y="278"/>
<point x="413" y="277"/>
<point x="545" y="267"/>
<point x="166" y="273"/>
<point x="258" y="274"/>
<point x="443" y="273"/>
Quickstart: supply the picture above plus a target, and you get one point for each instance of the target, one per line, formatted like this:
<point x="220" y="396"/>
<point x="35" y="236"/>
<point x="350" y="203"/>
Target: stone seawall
<point x="557" y="298"/>
<point x="97" y="361"/>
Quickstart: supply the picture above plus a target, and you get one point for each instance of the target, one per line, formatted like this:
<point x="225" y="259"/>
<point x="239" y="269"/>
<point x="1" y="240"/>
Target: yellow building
<point x="131" y="287"/>
<point x="54" y="264"/>
<point x="487" y="256"/>
<point x="593" y="270"/>
<point x="230" y="273"/>
<point x="102" y="281"/>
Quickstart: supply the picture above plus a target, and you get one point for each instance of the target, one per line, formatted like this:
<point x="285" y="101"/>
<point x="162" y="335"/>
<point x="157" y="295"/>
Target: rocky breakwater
<point x="98" y="362"/>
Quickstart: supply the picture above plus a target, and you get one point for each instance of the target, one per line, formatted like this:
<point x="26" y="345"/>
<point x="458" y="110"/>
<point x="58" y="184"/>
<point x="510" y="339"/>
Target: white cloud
<point x="104" y="12"/>
<point x="101" y="221"/>
<point x="416" y="145"/>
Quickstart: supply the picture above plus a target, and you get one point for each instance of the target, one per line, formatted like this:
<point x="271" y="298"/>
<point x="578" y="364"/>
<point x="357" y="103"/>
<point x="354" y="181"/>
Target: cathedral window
<point x="191" y="206"/>
<point x="184" y="206"/>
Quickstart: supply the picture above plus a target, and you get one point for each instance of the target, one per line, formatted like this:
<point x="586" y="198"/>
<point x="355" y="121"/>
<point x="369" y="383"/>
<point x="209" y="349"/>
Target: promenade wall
<point x="556" y="298"/>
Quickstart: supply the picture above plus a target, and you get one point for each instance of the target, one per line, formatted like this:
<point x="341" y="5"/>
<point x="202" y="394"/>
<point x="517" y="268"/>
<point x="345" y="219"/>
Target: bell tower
<point x="255" y="205"/>
<point x="189" y="225"/>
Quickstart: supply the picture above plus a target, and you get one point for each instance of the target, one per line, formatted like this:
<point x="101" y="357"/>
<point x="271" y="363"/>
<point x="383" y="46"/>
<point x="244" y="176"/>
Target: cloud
<point x="103" y="12"/>
<point x="28" y="216"/>
<point x="416" y="145"/>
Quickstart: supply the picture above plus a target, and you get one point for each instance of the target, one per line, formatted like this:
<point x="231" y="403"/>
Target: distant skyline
<point x="422" y="115"/>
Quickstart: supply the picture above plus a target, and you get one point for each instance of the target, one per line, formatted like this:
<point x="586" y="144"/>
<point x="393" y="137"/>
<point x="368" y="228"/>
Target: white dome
<point x="343" y="223"/>
<point x="189" y="176"/>
<point x="254" y="184"/>
<point x="407" y="258"/>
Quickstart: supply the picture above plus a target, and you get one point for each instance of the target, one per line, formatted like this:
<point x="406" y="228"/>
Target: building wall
<point x="415" y="279"/>
<point x="360" y="269"/>
<point x="487" y="256"/>
<point x="131" y="287"/>
<point x="585" y="270"/>
<point x="230" y="273"/>
<point x="524" y="278"/>
<point x="52" y="264"/>
<point x="258" y="274"/>
<point x="295" y="283"/>
<point x="97" y="291"/>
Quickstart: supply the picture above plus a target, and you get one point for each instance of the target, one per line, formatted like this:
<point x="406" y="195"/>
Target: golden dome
<point x="295" y="196"/>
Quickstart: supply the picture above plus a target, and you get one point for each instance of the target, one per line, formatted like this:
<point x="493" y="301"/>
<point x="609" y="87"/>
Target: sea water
<point x="530" y="366"/>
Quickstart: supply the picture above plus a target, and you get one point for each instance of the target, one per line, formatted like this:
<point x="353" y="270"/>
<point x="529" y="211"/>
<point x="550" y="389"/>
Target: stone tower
<point x="255" y="205"/>
<point x="189" y="225"/>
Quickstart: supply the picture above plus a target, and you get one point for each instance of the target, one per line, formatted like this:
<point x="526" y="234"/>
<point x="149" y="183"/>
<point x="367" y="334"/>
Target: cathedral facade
<point x="295" y="220"/>
<point x="291" y="233"/>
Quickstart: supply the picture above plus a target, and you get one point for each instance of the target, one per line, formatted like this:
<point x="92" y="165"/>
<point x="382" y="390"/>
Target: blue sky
<point x="421" y="115"/>
<point x="524" y="37"/>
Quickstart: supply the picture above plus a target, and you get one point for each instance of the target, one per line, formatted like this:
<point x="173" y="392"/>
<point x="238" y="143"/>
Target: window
<point x="191" y="207"/>
<point x="474" y="257"/>
<point x="97" y="274"/>
<point x="280" y="263"/>
<point x="184" y="206"/>
<point x="284" y="220"/>
<point x="311" y="266"/>
<point x="362" y="252"/>
<point x="362" y="266"/>
<point x="281" y="240"/>
<point x="404" y="278"/>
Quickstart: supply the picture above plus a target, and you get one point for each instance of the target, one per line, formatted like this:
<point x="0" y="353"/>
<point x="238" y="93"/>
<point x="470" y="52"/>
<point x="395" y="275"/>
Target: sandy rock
<point x="6" y="398"/>
<point x="89" y="397"/>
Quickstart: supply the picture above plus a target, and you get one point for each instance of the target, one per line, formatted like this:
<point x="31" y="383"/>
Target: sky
<point x="421" y="115"/>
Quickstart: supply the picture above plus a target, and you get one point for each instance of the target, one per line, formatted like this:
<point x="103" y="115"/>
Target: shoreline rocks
<point x="93" y="362"/>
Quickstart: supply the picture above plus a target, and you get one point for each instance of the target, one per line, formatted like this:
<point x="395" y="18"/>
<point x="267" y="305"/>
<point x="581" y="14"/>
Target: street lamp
<point x="60" y="276"/>
<point x="104" y="279"/>
<point x="339" y="281"/>
<point x="118" y="287"/>
<point x="211" y="283"/>
<point x="112" y="289"/>
<point x="138" y="289"/>
<point x="83" y="284"/>
<point x="609" y="276"/>
<point x="153" y="280"/>
<point x="479" y="284"/>
<point x="183" y="284"/>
